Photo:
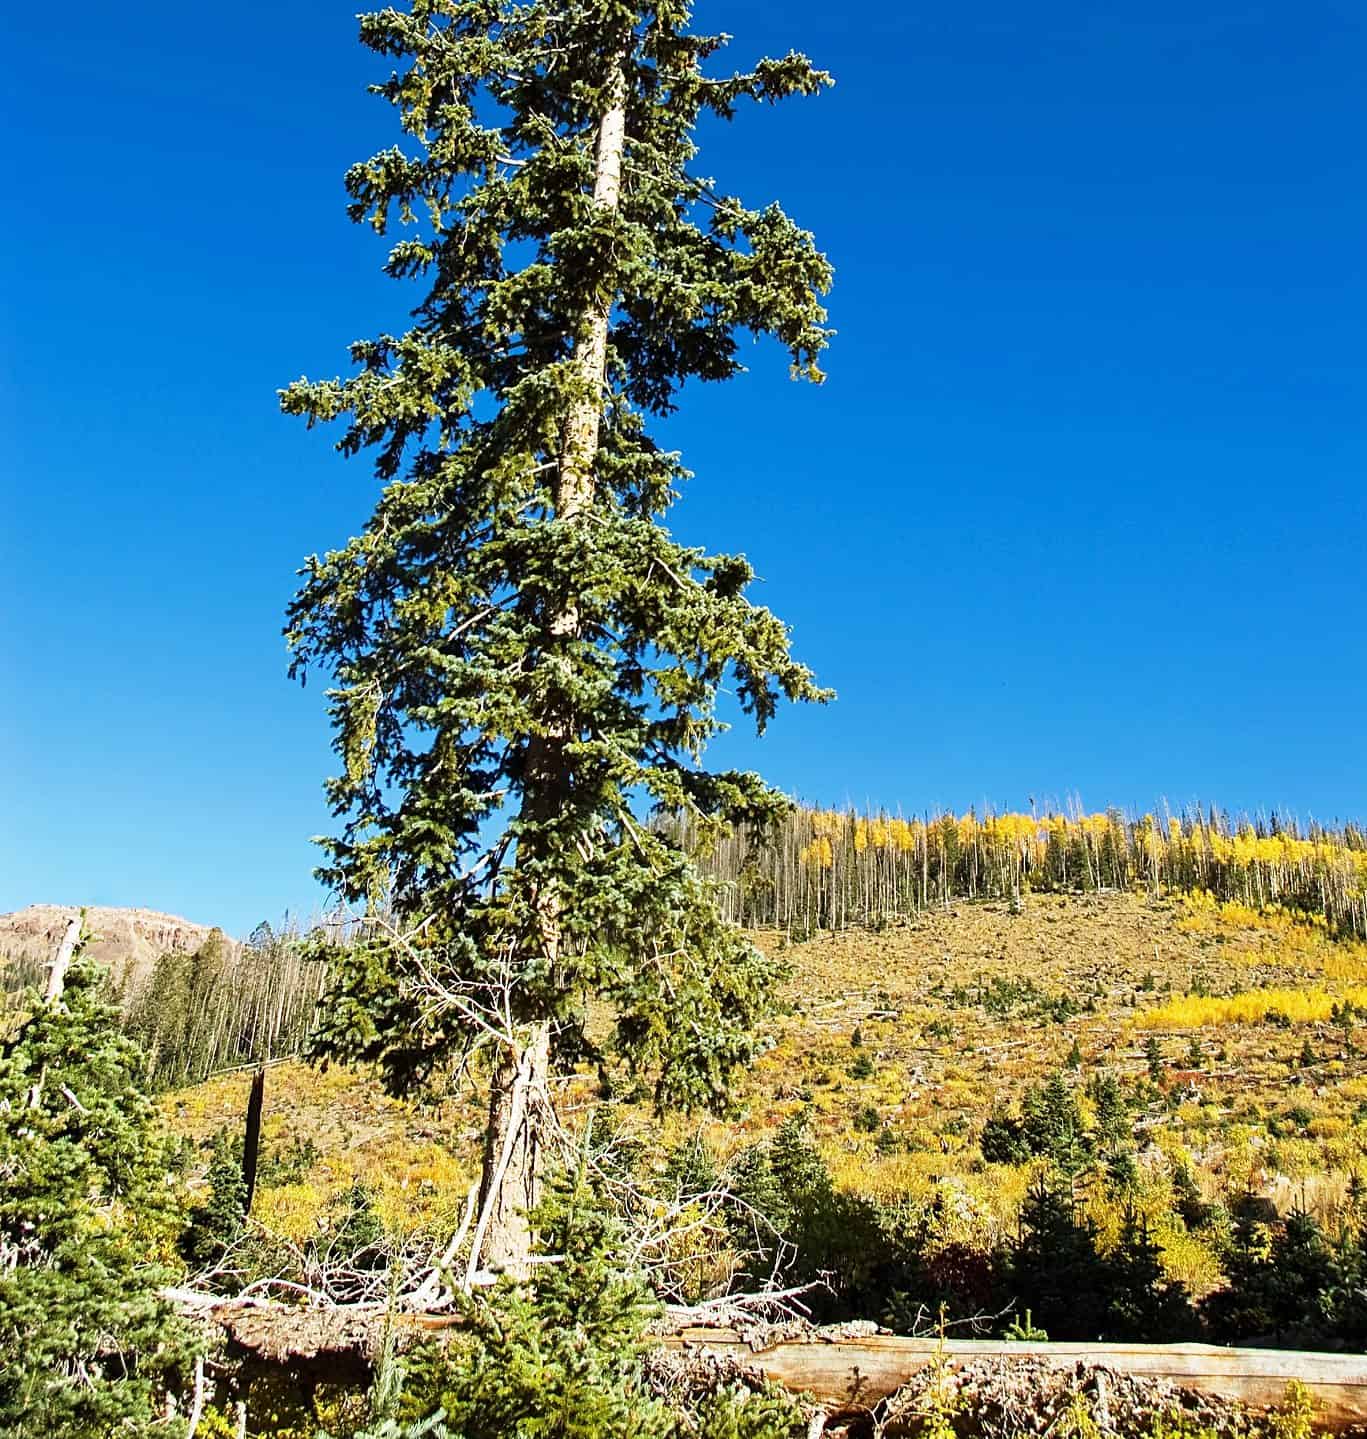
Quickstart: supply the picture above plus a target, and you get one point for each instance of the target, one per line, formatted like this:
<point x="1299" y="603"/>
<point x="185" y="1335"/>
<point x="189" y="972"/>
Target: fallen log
<point x="844" y="1372"/>
<point x="853" y="1374"/>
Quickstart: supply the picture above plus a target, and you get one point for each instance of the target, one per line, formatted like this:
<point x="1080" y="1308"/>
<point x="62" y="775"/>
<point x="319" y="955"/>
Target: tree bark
<point x="519" y="1099"/>
<point x="519" y="1092"/>
<point x="52" y="993"/>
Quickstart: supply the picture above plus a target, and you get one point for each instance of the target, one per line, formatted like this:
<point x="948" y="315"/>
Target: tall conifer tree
<point x="521" y="651"/>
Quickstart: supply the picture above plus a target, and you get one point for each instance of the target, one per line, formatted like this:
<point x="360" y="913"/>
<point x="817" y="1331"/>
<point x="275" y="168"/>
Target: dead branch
<point x="56" y="980"/>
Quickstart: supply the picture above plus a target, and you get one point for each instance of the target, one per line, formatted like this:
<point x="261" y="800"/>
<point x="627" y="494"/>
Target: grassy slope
<point x="956" y="1012"/>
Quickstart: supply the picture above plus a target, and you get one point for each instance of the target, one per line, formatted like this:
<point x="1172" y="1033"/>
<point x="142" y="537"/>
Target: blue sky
<point x="1080" y="509"/>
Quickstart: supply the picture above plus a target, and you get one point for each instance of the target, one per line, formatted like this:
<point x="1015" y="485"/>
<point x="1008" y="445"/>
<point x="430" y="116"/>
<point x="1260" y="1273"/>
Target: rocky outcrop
<point x="127" y="941"/>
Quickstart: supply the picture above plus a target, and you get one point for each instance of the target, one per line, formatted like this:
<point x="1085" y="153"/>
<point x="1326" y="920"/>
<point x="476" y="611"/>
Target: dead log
<point x="854" y="1374"/>
<point x="337" y="1343"/>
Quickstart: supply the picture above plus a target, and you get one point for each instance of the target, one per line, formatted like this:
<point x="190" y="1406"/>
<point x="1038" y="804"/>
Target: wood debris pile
<point x="1022" y="1397"/>
<point x="998" y="1398"/>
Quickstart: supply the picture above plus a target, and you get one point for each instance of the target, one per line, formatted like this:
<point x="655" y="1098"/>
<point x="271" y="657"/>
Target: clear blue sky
<point x="1080" y="509"/>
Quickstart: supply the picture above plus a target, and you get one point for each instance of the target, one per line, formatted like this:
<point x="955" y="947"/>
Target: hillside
<point x="1230" y="1032"/>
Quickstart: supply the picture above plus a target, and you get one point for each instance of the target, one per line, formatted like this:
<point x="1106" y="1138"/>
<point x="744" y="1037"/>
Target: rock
<point x="128" y="942"/>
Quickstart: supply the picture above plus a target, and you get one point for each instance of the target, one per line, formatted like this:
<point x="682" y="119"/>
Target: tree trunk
<point x="251" y="1139"/>
<point x="519" y="1101"/>
<point x="519" y="1092"/>
<point x="52" y="994"/>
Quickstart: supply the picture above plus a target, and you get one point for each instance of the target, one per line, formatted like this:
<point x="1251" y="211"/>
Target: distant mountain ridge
<point x="127" y="942"/>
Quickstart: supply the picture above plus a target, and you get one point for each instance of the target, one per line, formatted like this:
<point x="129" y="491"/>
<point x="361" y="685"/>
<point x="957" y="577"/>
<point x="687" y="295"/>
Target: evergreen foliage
<point x="1292" y="1284"/>
<point x="1051" y="1124"/>
<point x="171" y="1017"/>
<point x="214" y="1226"/>
<point x="1153" y="1057"/>
<point x="1055" y="1268"/>
<point x="86" y="1346"/>
<point x="1049" y="1127"/>
<point x="561" y="1356"/>
<point x="521" y="650"/>
<point x="809" y="1231"/>
<point x="438" y="620"/>
<point x="1142" y="1303"/>
<point x="1114" y="1129"/>
<point x="1002" y="1141"/>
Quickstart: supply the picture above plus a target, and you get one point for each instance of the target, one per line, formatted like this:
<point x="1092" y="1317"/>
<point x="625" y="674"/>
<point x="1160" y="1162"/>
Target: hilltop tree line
<point x="830" y="869"/>
<point x="222" y="1005"/>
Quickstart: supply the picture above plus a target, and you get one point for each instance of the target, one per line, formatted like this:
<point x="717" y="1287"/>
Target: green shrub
<point x="215" y="1225"/>
<point x="867" y="1119"/>
<point x="863" y="1067"/>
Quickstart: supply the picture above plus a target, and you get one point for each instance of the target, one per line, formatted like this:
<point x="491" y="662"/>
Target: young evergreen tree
<point x="520" y="649"/>
<point x="562" y="1356"/>
<point x="1142" y="1303"/>
<point x="1051" y="1124"/>
<point x="214" y="1225"/>
<point x="1054" y="1266"/>
<point x="86" y="1345"/>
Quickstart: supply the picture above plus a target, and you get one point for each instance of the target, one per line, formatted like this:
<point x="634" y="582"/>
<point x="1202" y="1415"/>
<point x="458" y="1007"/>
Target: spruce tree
<point x="215" y="1225"/>
<point x="522" y="654"/>
<point x="1054" y="1264"/>
<point x="86" y="1345"/>
<point x="1142" y="1303"/>
<point x="1051" y="1124"/>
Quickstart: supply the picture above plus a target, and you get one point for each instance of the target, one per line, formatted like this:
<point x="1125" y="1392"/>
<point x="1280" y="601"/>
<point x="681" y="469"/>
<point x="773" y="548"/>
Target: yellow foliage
<point x="1302" y="1006"/>
<point x="1294" y="1417"/>
<point x="1188" y="1259"/>
<point x="1254" y="873"/>
<point x="819" y="853"/>
<point x="291" y="1210"/>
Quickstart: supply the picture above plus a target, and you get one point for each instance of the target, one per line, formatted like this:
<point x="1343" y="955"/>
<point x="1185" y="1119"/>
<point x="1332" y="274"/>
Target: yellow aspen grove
<point x="823" y="869"/>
